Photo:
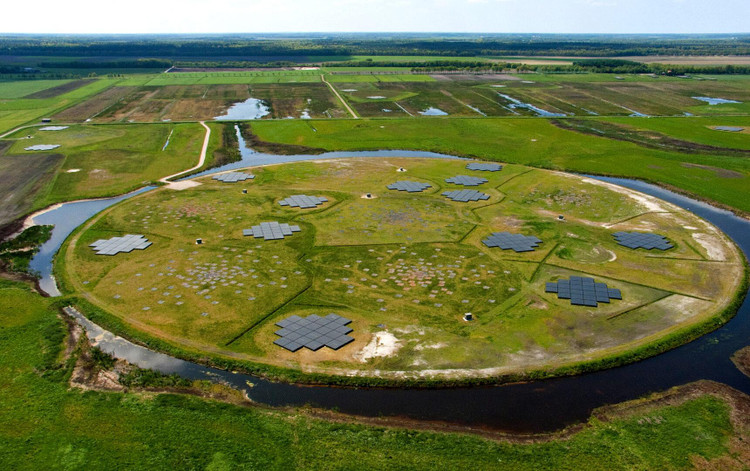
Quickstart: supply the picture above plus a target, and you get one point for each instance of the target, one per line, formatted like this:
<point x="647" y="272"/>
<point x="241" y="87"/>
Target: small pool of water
<point x="432" y="111"/>
<point x="252" y="108"/>
<point x="715" y="101"/>
<point x="518" y="104"/>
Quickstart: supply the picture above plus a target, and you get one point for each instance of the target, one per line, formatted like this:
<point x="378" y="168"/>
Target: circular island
<point x="456" y="273"/>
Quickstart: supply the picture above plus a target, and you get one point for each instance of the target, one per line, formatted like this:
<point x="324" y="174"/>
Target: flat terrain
<point x="22" y="179"/>
<point x="535" y="142"/>
<point x="405" y="268"/>
<point x="101" y="160"/>
<point x="18" y="105"/>
<point x="46" y="421"/>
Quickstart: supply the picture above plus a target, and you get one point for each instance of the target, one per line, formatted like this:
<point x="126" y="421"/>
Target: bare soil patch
<point x="720" y="172"/>
<point x="473" y="77"/>
<point x="58" y="90"/>
<point x="95" y="105"/>
<point x="22" y="177"/>
<point x="741" y="359"/>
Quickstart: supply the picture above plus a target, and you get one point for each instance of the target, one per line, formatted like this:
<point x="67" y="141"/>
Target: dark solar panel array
<point x="466" y="180"/>
<point x="303" y="201"/>
<point x="485" y="167"/>
<point x="583" y="291"/>
<point x="464" y="196"/>
<point x="233" y="177"/>
<point x="517" y="242"/>
<point x="124" y="244"/>
<point x="645" y="240"/>
<point x="313" y="332"/>
<point x="411" y="187"/>
<point x="729" y="128"/>
<point x="271" y="230"/>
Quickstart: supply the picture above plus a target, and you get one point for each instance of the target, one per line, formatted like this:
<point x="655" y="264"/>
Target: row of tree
<point x="221" y="48"/>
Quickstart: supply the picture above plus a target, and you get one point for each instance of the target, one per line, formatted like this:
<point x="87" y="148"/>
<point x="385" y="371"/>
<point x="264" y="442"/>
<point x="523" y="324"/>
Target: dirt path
<point x="201" y="161"/>
<point x="2" y="136"/>
<point x="335" y="92"/>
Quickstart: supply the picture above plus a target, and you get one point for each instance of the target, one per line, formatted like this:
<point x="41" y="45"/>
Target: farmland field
<point x="109" y="160"/>
<point x="404" y="268"/>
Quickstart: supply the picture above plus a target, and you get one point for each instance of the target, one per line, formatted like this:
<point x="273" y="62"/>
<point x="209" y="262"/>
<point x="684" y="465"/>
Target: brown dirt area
<point x="741" y="359"/>
<point x="22" y="177"/>
<point x="472" y="77"/>
<point x="720" y="172"/>
<point x="59" y="90"/>
<point x="95" y="105"/>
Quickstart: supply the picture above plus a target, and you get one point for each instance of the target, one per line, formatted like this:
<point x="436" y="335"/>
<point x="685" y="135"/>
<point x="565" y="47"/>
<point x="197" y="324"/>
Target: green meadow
<point x="47" y="424"/>
<point x="402" y="266"/>
<point x="526" y="141"/>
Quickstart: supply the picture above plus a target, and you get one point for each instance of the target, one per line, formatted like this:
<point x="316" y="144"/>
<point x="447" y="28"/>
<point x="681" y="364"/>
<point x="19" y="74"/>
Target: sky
<point x="470" y="16"/>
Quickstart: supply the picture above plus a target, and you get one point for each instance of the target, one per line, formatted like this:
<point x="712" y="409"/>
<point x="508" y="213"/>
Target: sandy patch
<point x="182" y="185"/>
<point x="382" y="344"/>
<point x="612" y="255"/>
<point x="682" y="307"/>
<point x="430" y="346"/>
<point x="714" y="246"/>
<point x="370" y="197"/>
<point x="649" y="202"/>
<point x="73" y="170"/>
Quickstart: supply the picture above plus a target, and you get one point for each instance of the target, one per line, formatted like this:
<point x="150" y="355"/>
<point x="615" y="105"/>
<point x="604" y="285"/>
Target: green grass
<point x="21" y="88"/>
<point x="533" y="142"/>
<point x="48" y="425"/>
<point x="219" y="78"/>
<point x="697" y="129"/>
<point x="414" y="263"/>
<point x="21" y="111"/>
<point x="379" y="78"/>
<point x="112" y="159"/>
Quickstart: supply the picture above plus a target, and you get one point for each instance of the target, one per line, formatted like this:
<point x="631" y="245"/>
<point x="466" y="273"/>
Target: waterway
<point x="533" y="407"/>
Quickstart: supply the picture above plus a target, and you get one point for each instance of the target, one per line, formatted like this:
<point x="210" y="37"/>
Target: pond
<point x="518" y="104"/>
<point x="252" y="108"/>
<point x="714" y="101"/>
<point x="432" y="111"/>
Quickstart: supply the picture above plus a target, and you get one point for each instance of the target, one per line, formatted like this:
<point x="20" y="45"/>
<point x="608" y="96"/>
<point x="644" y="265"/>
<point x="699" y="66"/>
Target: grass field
<point x="19" y="111"/>
<point x="404" y="267"/>
<point x="48" y="424"/>
<point x="108" y="160"/>
<point x="20" y="89"/>
<point x="697" y="129"/>
<point x="533" y="142"/>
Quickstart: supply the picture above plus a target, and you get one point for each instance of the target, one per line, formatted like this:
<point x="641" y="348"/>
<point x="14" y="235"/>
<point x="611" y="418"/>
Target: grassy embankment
<point x="533" y="142"/>
<point x="47" y="424"/>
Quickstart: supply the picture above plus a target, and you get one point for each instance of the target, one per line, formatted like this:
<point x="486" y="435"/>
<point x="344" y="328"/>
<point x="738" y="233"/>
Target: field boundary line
<point x="267" y="316"/>
<point x="627" y="311"/>
<point x="341" y="99"/>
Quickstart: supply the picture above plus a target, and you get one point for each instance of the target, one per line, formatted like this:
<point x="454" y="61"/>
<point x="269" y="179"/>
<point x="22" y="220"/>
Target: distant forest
<point x="218" y="47"/>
